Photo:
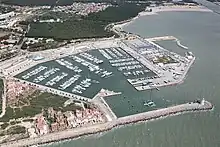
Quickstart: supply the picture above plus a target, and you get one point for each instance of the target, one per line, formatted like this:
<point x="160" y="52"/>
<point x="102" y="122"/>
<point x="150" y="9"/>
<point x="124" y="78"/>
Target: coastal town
<point x="54" y="89"/>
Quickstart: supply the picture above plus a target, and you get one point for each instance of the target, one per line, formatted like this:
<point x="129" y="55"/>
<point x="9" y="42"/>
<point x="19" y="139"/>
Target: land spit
<point x="146" y="116"/>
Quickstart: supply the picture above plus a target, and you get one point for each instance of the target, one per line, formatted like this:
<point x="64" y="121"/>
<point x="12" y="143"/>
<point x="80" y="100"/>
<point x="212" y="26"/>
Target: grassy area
<point x="71" y="107"/>
<point x="71" y="29"/>
<point x="91" y="26"/>
<point x="42" y="45"/>
<point x="165" y="60"/>
<point x="13" y="130"/>
<point x="38" y="101"/>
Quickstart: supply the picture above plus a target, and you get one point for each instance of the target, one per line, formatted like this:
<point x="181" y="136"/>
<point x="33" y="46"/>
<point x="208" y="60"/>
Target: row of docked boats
<point x="34" y="72"/>
<point x="46" y="75"/>
<point x="56" y="79"/>
<point x="121" y="60"/>
<point x="105" y="54"/>
<point x="110" y="53"/>
<point x="84" y="84"/>
<point x="131" y="67"/>
<point x="68" y="65"/>
<point x="103" y="73"/>
<point x="117" y="52"/>
<point x="91" y="58"/>
<point x="89" y="65"/>
<point x="125" y="63"/>
<point x="135" y="73"/>
<point x="69" y="82"/>
<point x="93" y="68"/>
<point x="145" y="81"/>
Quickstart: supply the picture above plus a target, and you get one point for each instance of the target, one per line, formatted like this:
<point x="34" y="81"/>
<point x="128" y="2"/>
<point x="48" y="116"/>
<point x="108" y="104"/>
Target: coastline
<point x="71" y="134"/>
<point x="157" y="10"/>
<point x="94" y="129"/>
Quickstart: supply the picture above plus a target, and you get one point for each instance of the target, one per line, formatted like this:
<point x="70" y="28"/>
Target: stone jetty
<point x="146" y="116"/>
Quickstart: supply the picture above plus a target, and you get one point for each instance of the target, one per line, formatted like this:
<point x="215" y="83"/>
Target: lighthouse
<point x="203" y="101"/>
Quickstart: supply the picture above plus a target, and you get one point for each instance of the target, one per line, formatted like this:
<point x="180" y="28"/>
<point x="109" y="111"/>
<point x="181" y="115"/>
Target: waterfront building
<point x="41" y="125"/>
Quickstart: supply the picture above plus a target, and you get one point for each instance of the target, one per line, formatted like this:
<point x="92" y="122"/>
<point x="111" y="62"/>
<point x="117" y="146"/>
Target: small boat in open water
<point x="149" y="103"/>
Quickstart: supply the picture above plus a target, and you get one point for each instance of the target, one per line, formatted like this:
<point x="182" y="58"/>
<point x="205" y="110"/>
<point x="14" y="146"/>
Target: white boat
<point x="149" y="103"/>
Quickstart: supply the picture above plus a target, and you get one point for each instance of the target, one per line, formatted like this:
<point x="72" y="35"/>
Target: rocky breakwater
<point x="174" y="110"/>
<point x="77" y="132"/>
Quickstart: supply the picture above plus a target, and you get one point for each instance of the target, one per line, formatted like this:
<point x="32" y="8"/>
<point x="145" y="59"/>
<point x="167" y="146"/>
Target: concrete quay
<point x="175" y="82"/>
<point x="104" y="107"/>
<point x="146" y="116"/>
<point x="55" y="91"/>
<point x="21" y="63"/>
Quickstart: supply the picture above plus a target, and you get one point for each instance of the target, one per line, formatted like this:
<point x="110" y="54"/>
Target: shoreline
<point x="131" y="119"/>
<point x="157" y="10"/>
<point x="94" y="129"/>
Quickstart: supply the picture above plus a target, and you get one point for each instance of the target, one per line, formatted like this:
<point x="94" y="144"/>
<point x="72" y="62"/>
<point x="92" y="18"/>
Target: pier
<point x="161" y="38"/>
<point x="55" y="91"/>
<point x="146" y="116"/>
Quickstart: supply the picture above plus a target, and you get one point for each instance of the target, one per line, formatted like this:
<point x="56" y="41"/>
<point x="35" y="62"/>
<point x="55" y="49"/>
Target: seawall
<point x="77" y="132"/>
<point x="180" y="45"/>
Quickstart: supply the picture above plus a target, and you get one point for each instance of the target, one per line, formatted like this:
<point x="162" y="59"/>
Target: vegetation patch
<point x="38" y="102"/>
<point x="42" y="44"/>
<point x="4" y="125"/>
<point x="80" y="27"/>
<point x="13" y="130"/>
<point x="165" y="60"/>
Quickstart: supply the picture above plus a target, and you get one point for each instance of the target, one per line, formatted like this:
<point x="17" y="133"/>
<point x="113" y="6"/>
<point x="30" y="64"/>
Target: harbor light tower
<point x="203" y="101"/>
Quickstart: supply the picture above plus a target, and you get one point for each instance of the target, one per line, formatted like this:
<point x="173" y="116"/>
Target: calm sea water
<point x="200" y="31"/>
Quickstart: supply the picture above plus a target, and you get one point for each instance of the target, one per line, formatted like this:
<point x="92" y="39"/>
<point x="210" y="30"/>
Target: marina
<point x="137" y="89"/>
<point x="136" y="64"/>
